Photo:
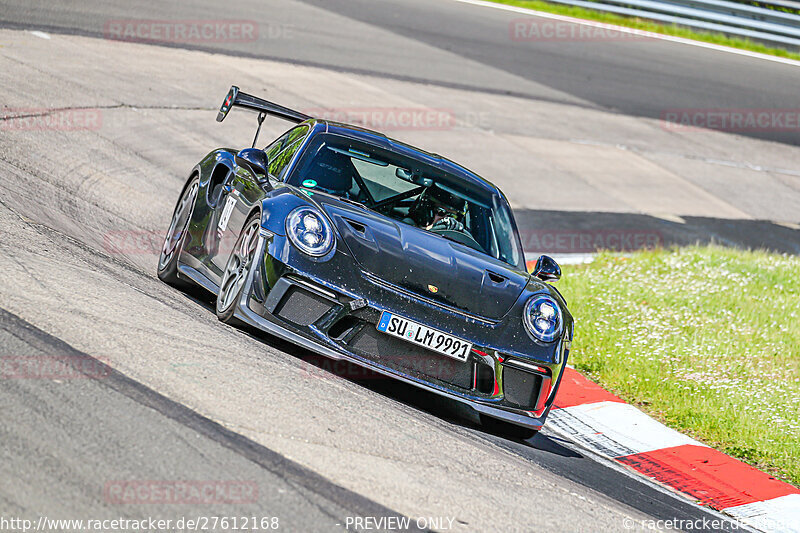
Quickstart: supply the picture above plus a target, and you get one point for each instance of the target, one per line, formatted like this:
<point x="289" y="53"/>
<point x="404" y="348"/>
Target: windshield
<point x="409" y="191"/>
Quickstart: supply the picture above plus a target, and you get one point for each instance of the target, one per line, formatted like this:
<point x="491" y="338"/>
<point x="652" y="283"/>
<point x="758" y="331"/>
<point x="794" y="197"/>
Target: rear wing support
<point x="261" y="117"/>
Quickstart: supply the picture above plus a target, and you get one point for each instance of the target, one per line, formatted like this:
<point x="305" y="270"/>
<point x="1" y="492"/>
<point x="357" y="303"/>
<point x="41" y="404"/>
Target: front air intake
<point x="521" y="388"/>
<point x="302" y="307"/>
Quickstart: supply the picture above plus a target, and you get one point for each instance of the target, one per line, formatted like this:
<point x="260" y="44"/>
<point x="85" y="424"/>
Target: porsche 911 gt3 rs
<point x="365" y="249"/>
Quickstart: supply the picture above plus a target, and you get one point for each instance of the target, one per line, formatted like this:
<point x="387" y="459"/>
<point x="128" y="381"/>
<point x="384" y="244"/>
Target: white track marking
<point x="616" y="429"/>
<point x="776" y="515"/>
<point x="41" y="35"/>
<point x="624" y="29"/>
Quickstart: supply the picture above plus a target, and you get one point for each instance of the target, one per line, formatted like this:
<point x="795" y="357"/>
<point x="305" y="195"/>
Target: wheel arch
<point x="195" y="173"/>
<point x="256" y="209"/>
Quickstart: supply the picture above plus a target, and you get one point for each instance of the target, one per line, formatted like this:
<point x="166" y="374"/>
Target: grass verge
<point x="705" y="339"/>
<point x="648" y="25"/>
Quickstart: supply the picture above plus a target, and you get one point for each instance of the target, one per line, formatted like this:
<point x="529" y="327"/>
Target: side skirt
<point x="198" y="278"/>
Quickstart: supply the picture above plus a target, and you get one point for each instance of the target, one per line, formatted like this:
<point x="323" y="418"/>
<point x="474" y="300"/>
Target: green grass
<point x="705" y="339"/>
<point x="647" y="25"/>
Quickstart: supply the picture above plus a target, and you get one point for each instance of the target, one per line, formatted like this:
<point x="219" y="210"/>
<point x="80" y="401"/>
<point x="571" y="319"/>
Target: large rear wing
<point x="236" y="98"/>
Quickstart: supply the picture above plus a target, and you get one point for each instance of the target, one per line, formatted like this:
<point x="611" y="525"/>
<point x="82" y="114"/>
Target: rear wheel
<point x="236" y="271"/>
<point x="506" y="429"/>
<point x="176" y="236"/>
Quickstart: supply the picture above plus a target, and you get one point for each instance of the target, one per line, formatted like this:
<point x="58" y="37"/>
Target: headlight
<point x="543" y="318"/>
<point x="309" y="231"/>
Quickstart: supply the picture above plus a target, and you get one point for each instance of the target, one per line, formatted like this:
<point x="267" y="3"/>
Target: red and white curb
<point x="596" y="419"/>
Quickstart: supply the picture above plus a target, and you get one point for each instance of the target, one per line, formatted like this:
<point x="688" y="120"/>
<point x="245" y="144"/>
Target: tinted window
<point x="280" y="152"/>
<point x="276" y="146"/>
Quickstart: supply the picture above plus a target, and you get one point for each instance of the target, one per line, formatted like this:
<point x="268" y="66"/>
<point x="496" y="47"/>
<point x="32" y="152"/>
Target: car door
<point x="245" y="191"/>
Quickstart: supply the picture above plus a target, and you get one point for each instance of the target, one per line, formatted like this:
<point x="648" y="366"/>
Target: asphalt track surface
<point x="643" y="78"/>
<point x="593" y="89"/>
<point x="59" y="438"/>
<point x="188" y="398"/>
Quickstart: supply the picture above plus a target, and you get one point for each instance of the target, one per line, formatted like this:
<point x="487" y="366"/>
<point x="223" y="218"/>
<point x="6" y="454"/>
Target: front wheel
<point x="506" y="429"/>
<point x="236" y="271"/>
<point x="176" y="236"/>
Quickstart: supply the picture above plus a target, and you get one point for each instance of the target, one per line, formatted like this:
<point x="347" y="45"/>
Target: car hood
<point x="426" y="264"/>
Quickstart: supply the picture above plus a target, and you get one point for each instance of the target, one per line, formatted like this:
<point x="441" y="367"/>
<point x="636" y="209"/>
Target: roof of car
<point x="434" y="160"/>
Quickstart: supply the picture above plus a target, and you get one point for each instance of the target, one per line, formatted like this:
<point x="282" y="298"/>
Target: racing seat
<point x="333" y="173"/>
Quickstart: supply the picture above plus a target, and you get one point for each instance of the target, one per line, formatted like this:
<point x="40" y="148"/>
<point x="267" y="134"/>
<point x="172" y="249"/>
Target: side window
<point x="295" y="134"/>
<point x="281" y="158"/>
<point x="281" y="161"/>
<point x="276" y="146"/>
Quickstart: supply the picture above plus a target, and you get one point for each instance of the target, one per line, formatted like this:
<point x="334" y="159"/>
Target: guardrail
<point x="771" y="26"/>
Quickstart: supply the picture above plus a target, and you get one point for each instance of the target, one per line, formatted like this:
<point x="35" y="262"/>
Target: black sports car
<point x="362" y="248"/>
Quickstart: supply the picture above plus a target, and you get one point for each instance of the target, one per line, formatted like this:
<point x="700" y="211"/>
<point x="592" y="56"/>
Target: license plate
<point x="424" y="336"/>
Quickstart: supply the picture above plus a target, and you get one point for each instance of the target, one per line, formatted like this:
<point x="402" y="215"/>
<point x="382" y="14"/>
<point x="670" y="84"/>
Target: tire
<point x="237" y="270"/>
<point x="176" y="236"/>
<point x="506" y="429"/>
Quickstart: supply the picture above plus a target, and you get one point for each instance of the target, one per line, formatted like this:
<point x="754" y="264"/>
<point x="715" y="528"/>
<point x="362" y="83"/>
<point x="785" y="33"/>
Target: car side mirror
<point x="547" y="269"/>
<point x="256" y="159"/>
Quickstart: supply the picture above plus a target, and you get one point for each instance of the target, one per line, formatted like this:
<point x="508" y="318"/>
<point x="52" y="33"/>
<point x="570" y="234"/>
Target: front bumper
<point x="338" y="322"/>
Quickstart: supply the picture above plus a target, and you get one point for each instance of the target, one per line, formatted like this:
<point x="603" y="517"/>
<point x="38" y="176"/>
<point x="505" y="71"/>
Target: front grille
<point x="412" y="359"/>
<point x="521" y="388"/>
<point x="302" y="307"/>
